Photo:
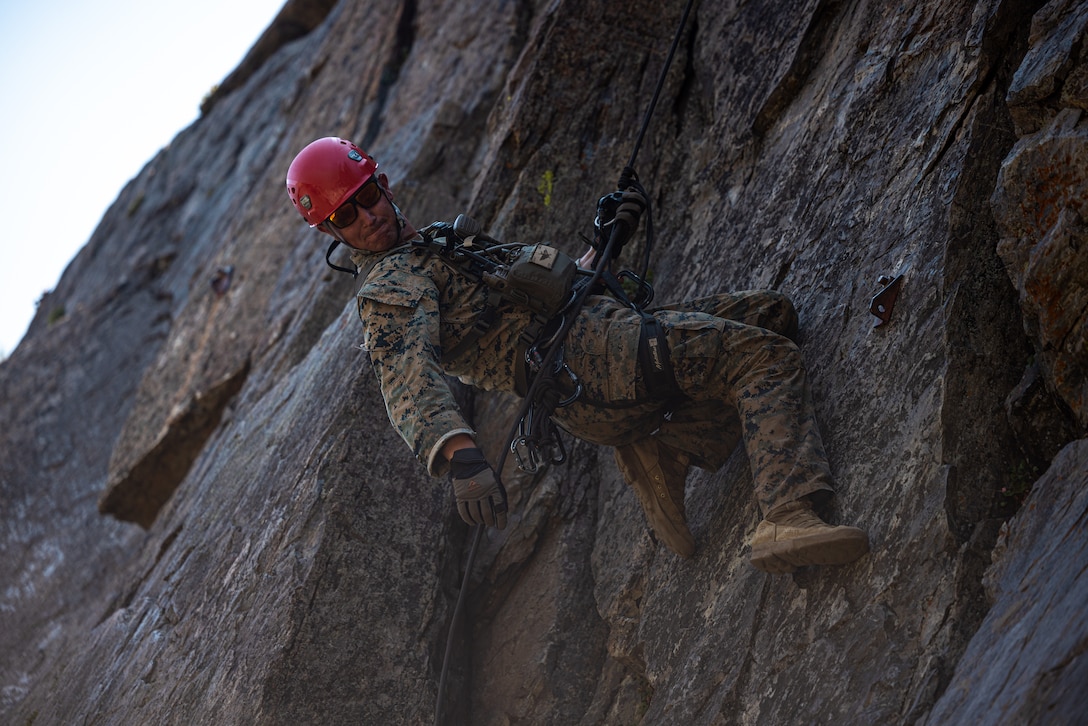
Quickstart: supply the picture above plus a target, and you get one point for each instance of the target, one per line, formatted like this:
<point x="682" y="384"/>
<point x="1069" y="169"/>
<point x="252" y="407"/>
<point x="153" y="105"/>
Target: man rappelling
<point x="668" y="388"/>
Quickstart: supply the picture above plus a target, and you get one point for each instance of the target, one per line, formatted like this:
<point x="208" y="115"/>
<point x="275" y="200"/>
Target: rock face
<point x="270" y="551"/>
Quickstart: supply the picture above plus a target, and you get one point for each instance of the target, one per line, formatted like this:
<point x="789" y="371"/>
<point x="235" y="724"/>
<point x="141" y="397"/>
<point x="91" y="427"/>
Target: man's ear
<point x="383" y="181"/>
<point x="323" y="228"/>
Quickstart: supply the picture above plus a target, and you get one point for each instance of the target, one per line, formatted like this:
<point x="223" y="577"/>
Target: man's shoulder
<point x="399" y="277"/>
<point x="402" y="261"/>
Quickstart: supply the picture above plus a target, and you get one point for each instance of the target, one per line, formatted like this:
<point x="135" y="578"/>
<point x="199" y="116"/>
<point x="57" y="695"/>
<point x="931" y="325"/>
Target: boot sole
<point x="837" y="546"/>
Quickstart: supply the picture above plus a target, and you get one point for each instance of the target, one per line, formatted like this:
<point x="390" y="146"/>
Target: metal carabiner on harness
<point x="537" y="433"/>
<point x="561" y="366"/>
<point x="531" y="441"/>
<point x="535" y="359"/>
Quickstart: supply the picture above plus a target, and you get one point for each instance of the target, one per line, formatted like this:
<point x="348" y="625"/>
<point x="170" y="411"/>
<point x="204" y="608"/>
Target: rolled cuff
<point x="437" y="465"/>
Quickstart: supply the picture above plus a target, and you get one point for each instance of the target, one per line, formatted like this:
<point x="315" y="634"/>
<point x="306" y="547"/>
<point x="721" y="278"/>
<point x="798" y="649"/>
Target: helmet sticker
<point x="355" y="155"/>
<point x="305" y="202"/>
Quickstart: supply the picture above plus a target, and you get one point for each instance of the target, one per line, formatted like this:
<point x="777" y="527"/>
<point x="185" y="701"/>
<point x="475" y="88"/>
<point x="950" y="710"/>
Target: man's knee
<point x="781" y="314"/>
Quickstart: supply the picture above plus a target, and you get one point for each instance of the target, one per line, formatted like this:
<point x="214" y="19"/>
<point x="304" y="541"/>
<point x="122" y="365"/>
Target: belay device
<point x="615" y="223"/>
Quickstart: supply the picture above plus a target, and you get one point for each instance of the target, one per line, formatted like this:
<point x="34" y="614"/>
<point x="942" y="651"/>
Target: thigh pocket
<point x="695" y="347"/>
<point x="603" y="353"/>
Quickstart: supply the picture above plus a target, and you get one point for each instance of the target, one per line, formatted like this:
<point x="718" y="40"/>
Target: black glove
<point x="481" y="497"/>
<point x="618" y="208"/>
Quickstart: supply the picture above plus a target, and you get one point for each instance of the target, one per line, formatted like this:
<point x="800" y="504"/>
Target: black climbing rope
<point x="547" y="366"/>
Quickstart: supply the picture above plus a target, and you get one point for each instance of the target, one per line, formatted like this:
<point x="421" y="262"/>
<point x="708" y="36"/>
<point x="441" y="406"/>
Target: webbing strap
<point x="654" y="360"/>
<point x="653" y="347"/>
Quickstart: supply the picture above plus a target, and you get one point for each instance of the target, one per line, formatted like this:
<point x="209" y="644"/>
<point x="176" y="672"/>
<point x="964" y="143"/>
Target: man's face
<point x="374" y="227"/>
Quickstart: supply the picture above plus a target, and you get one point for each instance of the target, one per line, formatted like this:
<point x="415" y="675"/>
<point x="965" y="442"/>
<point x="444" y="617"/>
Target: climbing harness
<point x="541" y="279"/>
<point x="529" y="433"/>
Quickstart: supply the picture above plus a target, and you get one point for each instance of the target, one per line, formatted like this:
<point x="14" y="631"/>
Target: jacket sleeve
<point x="401" y="333"/>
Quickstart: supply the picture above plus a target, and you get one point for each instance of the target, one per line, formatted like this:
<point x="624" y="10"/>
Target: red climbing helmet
<point x="325" y="174"/>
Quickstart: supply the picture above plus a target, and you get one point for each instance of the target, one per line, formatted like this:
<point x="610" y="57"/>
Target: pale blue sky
<point x="91" y="90"/>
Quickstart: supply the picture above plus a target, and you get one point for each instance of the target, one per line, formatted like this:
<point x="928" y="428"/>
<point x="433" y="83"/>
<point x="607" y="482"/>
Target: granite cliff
<point x="207" y="519"/>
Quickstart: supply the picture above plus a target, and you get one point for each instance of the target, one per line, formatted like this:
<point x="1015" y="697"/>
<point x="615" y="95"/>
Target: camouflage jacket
<point x="414" y="306"/>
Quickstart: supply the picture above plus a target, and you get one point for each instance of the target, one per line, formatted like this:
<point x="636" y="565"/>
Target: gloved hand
<point x="622" y="208"/>
<point x="481" y="497"/>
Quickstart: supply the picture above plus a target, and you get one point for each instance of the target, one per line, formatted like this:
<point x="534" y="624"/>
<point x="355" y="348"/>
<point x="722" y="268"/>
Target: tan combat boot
<point x="657" y="473"/>
<point x="792" y="535"/>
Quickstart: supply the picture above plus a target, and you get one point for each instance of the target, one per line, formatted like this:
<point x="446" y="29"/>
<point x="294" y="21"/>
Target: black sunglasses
<point x="366" y="196"/>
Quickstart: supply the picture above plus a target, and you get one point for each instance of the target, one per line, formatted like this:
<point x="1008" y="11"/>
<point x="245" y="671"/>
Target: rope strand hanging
<point x="628" y="177"/>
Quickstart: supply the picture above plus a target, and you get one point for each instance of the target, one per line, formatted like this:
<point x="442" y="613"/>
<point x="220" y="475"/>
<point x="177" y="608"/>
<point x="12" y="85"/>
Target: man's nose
<point x="366" y="216"/>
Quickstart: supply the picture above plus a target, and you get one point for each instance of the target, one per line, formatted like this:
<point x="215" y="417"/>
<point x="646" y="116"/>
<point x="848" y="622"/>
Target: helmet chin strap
<point x="354" y="272"/>
<point x="402" y="221"/>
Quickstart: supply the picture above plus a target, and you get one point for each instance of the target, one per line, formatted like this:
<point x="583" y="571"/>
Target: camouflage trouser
<point x="741" y="376"/>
